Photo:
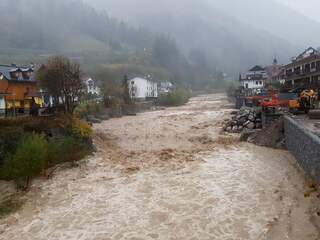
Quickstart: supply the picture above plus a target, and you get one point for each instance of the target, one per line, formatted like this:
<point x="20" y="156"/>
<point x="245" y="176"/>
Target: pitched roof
<point x="256" y="68"/>
<point x="6" y="71"/>
<point x="307" y="53"/>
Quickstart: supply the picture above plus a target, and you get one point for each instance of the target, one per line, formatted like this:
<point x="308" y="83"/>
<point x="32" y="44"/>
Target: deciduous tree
<point x="62" y="79"/>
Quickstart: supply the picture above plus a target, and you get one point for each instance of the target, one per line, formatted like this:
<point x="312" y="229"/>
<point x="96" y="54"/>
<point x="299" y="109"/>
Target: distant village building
<point x="92" y="87"/>
<point x="255" y="78"/>
<point x="165" y="87"/>
<point x="275" y="73"/>
<point x="18" y="89"/>
<point x="140" y="88"/>
<point x="304" y="70"/>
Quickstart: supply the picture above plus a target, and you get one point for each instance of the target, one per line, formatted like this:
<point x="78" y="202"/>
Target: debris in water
<point x="246" y="118"/>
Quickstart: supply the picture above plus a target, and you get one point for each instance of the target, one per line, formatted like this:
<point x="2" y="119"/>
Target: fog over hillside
<point x="274" y="17"/>
<point x="187" y="40"/>
<point x="240" y="33"/>
<point x="309" y="8"/>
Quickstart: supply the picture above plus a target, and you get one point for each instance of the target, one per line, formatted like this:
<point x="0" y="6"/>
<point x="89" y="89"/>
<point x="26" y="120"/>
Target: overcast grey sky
<point x="309" y="8"/>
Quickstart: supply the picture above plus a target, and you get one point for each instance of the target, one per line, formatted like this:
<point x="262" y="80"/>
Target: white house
<point x="140" y="88"/>
<point x="255" y="78"/>
<point x="165" y="87"/>
<point x="92" y="87"/>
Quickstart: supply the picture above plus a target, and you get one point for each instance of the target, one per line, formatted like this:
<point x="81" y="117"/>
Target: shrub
<point x="113" y="101"/>
<point x="28" y="161"/>
<point x="90" y="108"/>
<point x="81" y="110"/>
<point x="66" y="149"/>
<point x="81" y="129"/>
<point x="30" y="145"/>
<point x="9" y="139"/>
<point x="176" y="98"/>
<point x="74" y="149"/>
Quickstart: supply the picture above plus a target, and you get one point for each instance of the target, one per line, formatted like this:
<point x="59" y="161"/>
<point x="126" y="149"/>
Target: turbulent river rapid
<point x="170" y="174"/>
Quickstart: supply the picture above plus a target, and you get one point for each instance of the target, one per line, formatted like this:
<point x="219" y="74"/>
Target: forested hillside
<point x="63" y="25"/>
<point x="214" y="27"/>
<point x="106" y="47"/>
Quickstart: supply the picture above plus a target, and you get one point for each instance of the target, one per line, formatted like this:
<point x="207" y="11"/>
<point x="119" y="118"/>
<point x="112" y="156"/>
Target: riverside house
<point x="141" y="89"/>
<point x="18" y="90"/>
<point x="304" y="71"/>
<point x="254" y="79"/>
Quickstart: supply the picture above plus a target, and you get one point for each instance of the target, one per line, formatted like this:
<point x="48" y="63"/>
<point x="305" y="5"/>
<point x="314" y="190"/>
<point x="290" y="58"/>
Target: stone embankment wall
<point x="304" y="145"/>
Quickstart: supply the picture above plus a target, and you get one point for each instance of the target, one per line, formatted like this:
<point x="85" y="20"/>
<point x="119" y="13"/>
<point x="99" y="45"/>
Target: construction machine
<point x="306" y="101"/>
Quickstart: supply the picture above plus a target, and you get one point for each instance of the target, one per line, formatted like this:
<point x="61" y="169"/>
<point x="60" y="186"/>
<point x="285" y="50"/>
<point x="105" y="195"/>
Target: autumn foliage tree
<point x="62" y="79"/>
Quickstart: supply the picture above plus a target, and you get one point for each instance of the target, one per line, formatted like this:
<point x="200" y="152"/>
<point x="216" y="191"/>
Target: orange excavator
<point x="306" y="102"/>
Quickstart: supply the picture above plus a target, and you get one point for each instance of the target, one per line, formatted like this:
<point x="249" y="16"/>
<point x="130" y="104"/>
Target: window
<point x="307" y="68"/>
<point x="260" y="82"/>
<point x="91" y="85"/>
<point x="257" y="83"/>
<point x="297" y="70"/>
<point x="313" y="65"/>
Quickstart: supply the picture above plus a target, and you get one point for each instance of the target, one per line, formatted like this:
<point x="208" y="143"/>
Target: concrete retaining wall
<point x="305" y="146"/>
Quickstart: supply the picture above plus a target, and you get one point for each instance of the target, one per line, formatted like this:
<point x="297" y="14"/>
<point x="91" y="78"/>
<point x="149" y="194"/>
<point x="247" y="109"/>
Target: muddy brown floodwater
<point x="170" y="174"/>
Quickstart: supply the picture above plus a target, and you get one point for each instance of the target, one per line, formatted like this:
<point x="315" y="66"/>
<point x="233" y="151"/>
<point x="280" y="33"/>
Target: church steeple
<point x="275" y="61"/>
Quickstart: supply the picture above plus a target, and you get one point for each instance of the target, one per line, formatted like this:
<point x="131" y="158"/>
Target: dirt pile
<point x="246" y="118"/>
<point x="314" y="114"/>
<point x="271" y="136"/>
<point x="248" y="122"/>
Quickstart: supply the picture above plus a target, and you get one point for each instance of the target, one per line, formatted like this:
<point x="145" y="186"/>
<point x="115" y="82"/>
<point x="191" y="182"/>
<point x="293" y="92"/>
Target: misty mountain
<point x="105" y="47"/>
<point x="184" y="40"/>
<point x="273" y="17"/>
<point x="63" y="26"/>
<point x="232" y="34"/>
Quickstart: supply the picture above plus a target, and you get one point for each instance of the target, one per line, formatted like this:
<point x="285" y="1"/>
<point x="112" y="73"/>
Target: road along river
<point x="171" y="174"/>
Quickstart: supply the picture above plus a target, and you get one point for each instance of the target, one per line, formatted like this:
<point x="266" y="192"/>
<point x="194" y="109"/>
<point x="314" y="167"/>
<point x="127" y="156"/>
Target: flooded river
<point x="170" y="174"/>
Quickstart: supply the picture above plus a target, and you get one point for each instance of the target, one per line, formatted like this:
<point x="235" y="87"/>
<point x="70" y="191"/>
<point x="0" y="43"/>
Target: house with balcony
<point x="165" y="87"/>
<point x="304" y="71"/>
<point x="141" y="88"/>
<point x="254" y="79"/>
<point x="18" y="89"/>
